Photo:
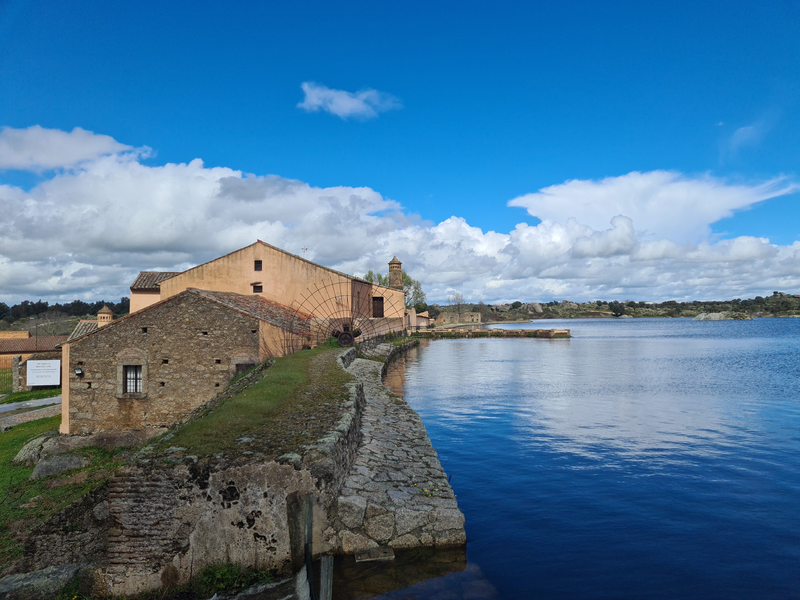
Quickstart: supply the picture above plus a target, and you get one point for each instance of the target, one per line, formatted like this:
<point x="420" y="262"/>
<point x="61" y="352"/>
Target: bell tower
<point x="395" y="274"/>
<point x="104" y="316"/>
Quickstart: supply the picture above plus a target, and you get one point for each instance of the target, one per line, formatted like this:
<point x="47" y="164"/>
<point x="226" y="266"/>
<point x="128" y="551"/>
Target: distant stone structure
<point x="451" y="318"/>
<point x="395" y="274"/>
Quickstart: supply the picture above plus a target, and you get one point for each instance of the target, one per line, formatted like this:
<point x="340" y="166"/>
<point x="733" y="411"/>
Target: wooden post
<point x="326" y="578"/>
<point x="308" y="514"/>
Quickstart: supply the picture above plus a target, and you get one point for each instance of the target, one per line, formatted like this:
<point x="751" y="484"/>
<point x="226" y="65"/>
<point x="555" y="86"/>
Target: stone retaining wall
<point x="165" y="517"/>
<point x="169" y="522"/>
<point x="397" y="493"/>
<point x="395" y="352"/>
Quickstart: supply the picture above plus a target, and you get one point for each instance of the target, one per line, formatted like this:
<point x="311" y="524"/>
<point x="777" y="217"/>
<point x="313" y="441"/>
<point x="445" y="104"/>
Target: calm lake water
<point x="640" y="459"/>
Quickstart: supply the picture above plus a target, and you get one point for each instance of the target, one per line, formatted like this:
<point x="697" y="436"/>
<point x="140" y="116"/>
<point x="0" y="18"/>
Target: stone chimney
<point x="395" y="274"/>
<point x="104" y="317"/>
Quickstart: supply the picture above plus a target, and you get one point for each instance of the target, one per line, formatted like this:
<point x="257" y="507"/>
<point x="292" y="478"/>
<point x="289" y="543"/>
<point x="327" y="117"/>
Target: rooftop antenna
<point x="304" y="251"/>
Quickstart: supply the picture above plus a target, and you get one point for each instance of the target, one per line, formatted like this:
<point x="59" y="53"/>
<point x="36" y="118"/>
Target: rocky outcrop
<point x="723" y="316"/>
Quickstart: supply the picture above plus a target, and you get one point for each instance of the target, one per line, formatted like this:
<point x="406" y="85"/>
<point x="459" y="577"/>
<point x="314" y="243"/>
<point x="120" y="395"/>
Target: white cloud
<point x="662" y="204"/>
<point x="39" y="149"/>
<point x="750" y="135"/>
<point x="365" y="104"/>
<point x="86" y="232"/>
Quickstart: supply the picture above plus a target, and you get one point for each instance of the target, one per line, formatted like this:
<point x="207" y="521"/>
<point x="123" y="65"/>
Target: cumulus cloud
<point x="87" y="231"/>
<point x="365" y="104"/>
<point x="40" y="149"/>
<point x="663" y="204"/>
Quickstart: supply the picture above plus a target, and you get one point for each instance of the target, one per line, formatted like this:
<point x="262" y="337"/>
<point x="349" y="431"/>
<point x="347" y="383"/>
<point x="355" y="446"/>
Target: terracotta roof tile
<point x="149" y="280"/>
<point x="41" y="343"/>
<point x="260" y="308"/>
<point x="82" y="328"/>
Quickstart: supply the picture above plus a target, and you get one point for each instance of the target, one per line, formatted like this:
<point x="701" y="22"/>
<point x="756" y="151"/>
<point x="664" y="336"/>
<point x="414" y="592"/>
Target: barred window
<point x="132" y="378"/>
<point x="257" y="265"/>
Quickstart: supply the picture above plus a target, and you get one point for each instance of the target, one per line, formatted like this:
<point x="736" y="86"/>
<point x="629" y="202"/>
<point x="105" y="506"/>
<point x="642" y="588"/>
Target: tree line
<point x="77" y="308"/>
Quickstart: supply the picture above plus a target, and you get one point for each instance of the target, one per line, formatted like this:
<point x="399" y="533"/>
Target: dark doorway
<point x="377" y="307"/>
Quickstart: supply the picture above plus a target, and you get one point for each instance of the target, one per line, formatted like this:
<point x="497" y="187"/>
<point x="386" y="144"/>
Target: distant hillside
<point x="779" y="304"/>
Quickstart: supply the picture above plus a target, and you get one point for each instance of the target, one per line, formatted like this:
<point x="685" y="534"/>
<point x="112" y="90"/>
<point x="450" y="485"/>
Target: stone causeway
<point x="396" y="494"/>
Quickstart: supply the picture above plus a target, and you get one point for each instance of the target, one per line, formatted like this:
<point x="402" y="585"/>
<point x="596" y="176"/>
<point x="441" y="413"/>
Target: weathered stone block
<point x="404" y="541"/>
<point x="444" y="519"/>
<point x="373" y="510"/>
<point x="380" y="527"/>
<point x="407" y="520"/>
<point x="351" y="511"/>
<point x="354" y="542"/>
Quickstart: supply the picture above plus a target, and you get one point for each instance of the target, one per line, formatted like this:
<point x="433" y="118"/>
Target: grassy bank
<point x="25" y="503"/>
<point x="295" y="402"/>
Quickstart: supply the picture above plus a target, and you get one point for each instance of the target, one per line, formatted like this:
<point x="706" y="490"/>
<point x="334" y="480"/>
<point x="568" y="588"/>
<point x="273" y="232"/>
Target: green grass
<point x="16" y="490"/>
<point x="5" y="381"/>
<point x="275" y="409"/>
<point x="210" y="581"/>
<point x="32" y="395"/>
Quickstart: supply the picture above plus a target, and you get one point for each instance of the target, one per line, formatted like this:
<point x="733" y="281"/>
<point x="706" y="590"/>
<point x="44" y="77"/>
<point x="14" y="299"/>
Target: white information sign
<point x="44" y="372"/>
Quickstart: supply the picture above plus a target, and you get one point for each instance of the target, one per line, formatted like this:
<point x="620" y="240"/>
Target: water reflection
<point x="421" y="574"/>
<point x="639" y="459"/>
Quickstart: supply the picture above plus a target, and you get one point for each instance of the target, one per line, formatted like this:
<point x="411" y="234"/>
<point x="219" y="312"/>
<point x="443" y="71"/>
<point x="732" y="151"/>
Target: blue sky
<point x="485" y="104"/>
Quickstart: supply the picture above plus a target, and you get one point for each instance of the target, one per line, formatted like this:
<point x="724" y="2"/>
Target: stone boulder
<point x="31" y="452"/>
<point x="58" y="464"/>
<point x="38" y="585"/>
<point x="723" y="316"/>
<point x="107" y="440"/>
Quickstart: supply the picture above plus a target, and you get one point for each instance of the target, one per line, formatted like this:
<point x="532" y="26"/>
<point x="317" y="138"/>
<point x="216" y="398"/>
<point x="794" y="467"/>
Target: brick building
<point x="21" y="343"/>
<point x="154" y="367"/>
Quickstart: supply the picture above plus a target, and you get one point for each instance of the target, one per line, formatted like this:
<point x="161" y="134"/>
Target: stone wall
<point x="171" y="515"/>
<point x="188" y="348"/>
<point x="78" y="534"/>
<point x="397" y="493"/>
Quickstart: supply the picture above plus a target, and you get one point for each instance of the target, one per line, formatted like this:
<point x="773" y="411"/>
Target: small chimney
<point x="395" y="274"/>
<point x="104" y="316"/>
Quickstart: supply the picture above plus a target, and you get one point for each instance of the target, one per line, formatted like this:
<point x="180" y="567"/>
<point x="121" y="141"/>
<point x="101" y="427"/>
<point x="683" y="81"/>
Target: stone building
<point x="155" y="366"/>
<point x="451" y="318"/>
<point x="274" y="274"/>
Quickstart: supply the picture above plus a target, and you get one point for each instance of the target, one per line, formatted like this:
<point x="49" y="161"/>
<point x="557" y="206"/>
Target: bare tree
<point x="457" y="305"/>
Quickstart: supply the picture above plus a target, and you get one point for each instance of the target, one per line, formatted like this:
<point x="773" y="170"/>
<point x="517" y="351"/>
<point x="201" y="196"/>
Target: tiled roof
<point x="41" y="343"/>
<point x="82" y="328"/>
<point x="149" y="280"/>
<point x="260" y="308"/>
